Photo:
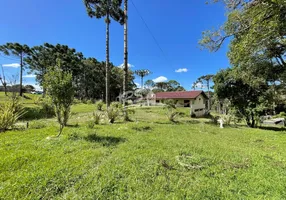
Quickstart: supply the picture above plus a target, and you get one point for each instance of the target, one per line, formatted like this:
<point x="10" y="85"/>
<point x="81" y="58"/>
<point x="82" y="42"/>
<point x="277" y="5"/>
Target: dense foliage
<point x="256" y="82"/>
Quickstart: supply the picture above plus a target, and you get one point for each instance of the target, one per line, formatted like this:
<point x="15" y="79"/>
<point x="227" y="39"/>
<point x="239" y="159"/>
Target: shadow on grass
<point x="104" y="140"/>
<point x="142" y="128"/>
<point x="73" y="125"/>
<point x="272" y="128"/>
<point x="192" y="122"/>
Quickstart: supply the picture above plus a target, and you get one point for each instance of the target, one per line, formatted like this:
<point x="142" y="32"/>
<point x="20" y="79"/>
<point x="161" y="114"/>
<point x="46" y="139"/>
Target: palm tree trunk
<point x="125" y="80"/>
<point x="107" y="68"/>
<point x="21" y="74"/>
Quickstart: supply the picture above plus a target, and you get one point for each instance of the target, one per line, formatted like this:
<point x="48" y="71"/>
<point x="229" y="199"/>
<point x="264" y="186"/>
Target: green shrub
<point x="99" y="105"/>
<point x="113" y="112"/>
<point x="126" y="113"/>
<point x="10" y="112"/>
<point x="89" y="101"/>
<point x="76" y="101"/>
<point x="90" y="124"/>
<point x="48" y="108"/>
<point x="97" y="117"/>
<point x="171" y="110"/>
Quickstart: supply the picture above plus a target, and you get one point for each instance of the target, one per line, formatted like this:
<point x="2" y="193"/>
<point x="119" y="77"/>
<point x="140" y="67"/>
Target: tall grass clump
<point x="10" y="112"/>
<point x="171" y="110"/>
<point x="113" y="111"/>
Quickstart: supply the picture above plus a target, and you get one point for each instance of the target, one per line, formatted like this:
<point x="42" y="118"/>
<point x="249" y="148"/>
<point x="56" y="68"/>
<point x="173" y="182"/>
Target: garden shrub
<point x="10" y="112"/>
<point x="171" y="110"/>
<point x="99" y="105"/>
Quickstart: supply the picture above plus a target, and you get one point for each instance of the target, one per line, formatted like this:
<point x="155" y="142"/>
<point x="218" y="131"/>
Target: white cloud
<point x="14" y="65"/>
<point x="29" y="76"/>
<point x="129" y="65"/>
<point x="160" y="79"/>
<point x="181" y="70"/>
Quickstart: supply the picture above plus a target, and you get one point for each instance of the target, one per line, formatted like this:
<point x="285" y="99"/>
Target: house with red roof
<point x="196" y="100"/>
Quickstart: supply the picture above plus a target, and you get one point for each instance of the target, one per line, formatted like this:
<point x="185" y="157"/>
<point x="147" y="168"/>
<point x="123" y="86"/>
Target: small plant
<point x="171" y="110"/>
<point x="10" y="112"/>
<point x="99" y="105"/>
<point x="113" y="112"/>
<point x="126" y="113"/>
<point x="60" y="88"/>
<point x="90" y="124"/>
<point x="89" y="101"/>
<point x="96" y="117"/>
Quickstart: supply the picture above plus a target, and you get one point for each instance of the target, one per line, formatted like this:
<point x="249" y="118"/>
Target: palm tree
<point x="125" y="79"/>
<point x="19" y="51"/>
<point x="142" y="73"/>
<point x="108" y="9"/>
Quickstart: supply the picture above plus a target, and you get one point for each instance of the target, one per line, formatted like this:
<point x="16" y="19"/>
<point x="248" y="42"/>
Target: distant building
<point x="196" y="100"/>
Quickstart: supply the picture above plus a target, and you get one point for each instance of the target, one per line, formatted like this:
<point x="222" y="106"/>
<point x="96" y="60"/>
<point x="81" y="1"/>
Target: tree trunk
<point x="107" y="68"/>
<point x="125" y="79"/>
<point x="209" y="100"/>
<point x="21" y="75"/>
<point x="142" y="82"/>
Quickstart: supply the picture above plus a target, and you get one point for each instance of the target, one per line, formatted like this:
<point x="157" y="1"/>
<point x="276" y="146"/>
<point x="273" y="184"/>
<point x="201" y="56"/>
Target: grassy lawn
<point x="148" y="158"/>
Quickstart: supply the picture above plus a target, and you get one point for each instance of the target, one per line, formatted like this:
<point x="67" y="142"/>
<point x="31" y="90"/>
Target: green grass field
<point x="149" y="158"/>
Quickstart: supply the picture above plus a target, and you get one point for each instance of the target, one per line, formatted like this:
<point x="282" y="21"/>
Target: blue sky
<point x="177" y="28"/>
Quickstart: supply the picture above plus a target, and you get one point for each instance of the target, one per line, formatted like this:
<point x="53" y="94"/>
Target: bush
<point x="99" y="105"/>
<point x="76" y="101"/>
<point x="10" y="112"/>
<point x="126" y="113"/>
<point x="89" y="101"/>
<point x="113" y="112"/>
<point x="171" y="110"/>
<point x="47" y="107"/>
<point x="96" y="117"/>
<point x="90" y="124"/>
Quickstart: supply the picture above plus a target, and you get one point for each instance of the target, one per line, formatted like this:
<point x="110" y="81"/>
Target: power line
<point x="149" y="30"/>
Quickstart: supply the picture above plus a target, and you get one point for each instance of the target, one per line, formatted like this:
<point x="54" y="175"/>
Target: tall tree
<point x="108" y="9"/>
<point x="42" y="57"/>
<point x="19" y="51"/>
<point x="150" y="83"/>
<point x="162" y="86"/>
<point x="142" y="73"/>
<point x="125" y="80"/>
<point x="207" y="79"/>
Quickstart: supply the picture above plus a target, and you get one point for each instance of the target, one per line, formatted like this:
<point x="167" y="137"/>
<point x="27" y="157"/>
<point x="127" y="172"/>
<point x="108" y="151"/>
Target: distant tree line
<point x="88" y="74"/>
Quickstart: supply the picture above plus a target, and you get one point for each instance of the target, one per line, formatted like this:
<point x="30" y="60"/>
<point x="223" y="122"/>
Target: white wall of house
<point x="198" y="106"/>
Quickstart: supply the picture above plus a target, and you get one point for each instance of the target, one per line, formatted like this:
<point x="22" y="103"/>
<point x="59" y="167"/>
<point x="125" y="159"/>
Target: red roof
<point x="179" y="95"/>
